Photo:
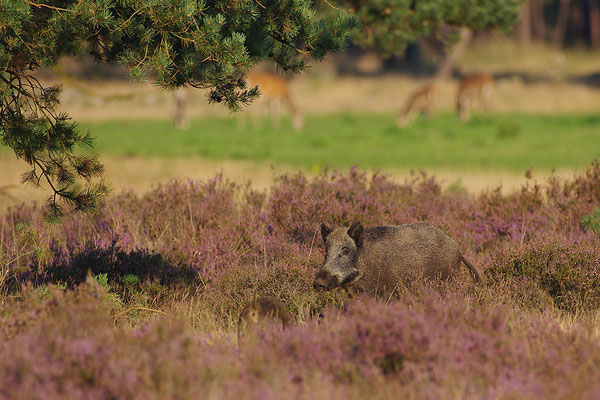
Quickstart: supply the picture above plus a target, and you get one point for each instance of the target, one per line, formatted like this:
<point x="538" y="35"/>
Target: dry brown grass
<point x="141" y="174"/>
<point x="321" y="91"/>
<point x="498" y="54"/>
<point x="320" y="94"/>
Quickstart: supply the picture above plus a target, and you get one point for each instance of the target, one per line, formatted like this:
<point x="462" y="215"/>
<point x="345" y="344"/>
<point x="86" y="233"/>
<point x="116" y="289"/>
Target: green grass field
<point x="510" y="142"/>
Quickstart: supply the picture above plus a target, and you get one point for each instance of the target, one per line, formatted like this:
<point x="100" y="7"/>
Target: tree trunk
<point x="414" y="56"/>
<point x="561" y="23"/>
<point x="524" y="25"/>
<point x="537" y="15"/>
<point x="594" y="23"/>
<point x="447" y="66"/>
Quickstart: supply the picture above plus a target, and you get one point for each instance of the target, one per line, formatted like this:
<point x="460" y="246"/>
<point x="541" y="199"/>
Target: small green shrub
<point x="131" y="280"/>
<point x="102" y="280"/>
<point x="592" y="222"/>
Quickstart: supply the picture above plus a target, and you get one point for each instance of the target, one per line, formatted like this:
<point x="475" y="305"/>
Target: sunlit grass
<point x="509" y="142"/>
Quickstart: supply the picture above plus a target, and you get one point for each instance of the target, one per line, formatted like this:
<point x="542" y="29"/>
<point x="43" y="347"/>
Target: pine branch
<point x="41" y="5"/>
<point x="172" y="42"/>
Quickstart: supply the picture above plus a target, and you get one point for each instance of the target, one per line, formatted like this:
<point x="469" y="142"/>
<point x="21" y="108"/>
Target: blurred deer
<point x="275" y="89"/>
<point x="181" y="119"/>
<point x="473" y="89"/>
<point x="422" y="100"/>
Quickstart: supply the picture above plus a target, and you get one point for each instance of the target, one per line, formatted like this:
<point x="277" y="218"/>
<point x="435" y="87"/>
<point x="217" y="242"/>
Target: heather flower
<point x="141" y="299"/>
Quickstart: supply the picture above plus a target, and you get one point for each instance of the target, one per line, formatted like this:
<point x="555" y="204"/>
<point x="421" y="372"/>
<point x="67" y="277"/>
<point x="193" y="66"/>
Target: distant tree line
<point x="390" y="25"/>
<point x="560" y="22"/>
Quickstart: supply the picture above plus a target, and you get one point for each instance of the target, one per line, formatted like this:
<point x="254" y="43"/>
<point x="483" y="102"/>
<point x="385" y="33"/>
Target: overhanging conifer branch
<point x="172" y="42"/>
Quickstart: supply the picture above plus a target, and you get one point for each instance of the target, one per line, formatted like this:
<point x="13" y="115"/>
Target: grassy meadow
<point x="512" y="142"/>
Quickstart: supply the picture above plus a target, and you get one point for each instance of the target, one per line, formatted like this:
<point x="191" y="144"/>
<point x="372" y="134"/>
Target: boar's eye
<point x="345" y="251"/>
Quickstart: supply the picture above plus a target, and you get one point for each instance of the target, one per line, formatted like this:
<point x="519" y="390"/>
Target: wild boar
<point x="374" y="260"/>
<point x="260" y="309"/>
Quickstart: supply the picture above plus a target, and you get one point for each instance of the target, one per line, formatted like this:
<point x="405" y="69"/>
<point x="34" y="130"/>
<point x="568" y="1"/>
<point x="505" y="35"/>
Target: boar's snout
<point x="325" y="281"/>
<point x="320" y="285"/>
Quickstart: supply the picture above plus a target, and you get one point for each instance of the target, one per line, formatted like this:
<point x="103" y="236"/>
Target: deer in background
<point x="275" y="89"/>
<point x="181" y="118"/>
<point x="473" y="89"/>
<point x="422" y="100"/>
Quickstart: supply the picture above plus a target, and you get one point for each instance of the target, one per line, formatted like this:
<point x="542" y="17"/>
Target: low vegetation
<point x="141" y="300"/>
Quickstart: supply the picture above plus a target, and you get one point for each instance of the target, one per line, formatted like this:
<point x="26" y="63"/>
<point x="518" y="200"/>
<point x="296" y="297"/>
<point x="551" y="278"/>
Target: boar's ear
<point x="325" y="231"/>
<point x="356" y="232"/>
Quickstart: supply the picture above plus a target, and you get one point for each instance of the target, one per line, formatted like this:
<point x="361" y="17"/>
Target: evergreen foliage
<point x="201" y="43"/>
<point x="391" y="24"/>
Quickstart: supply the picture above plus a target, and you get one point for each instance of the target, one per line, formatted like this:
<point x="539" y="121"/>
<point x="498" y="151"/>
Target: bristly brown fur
<point x="384" y="255"/>
<point x="260" y="309"/>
